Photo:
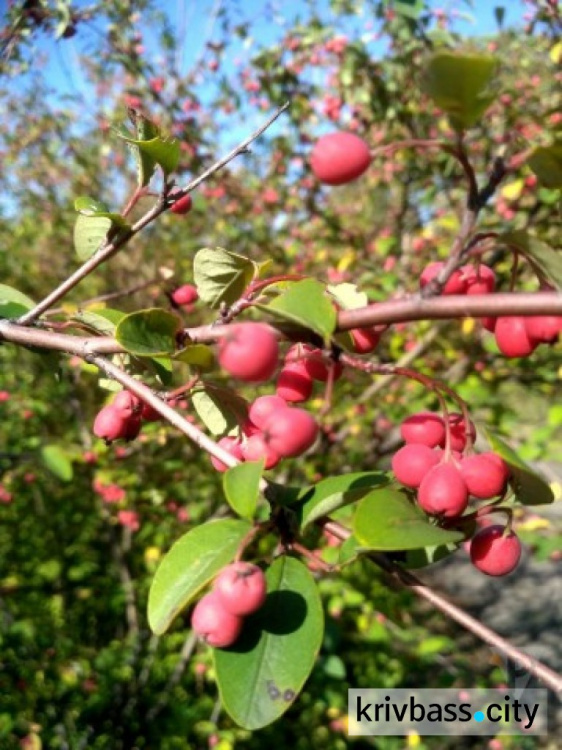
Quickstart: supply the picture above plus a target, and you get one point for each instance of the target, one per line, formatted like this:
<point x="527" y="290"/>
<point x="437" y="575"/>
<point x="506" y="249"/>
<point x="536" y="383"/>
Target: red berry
<point x="290" y="432"/>
<point x="126" y="403"/>
<point x="182" y="205"/>
<point x="256" y="448"/>
<point x="425" y="428"/>
<point x="110" y="424"/>
<point x="411" y="463"/>
<point x="338" y="158"/>
<point x="294" y="383"/>
<point x="484" y="474"/>
<point x="263" y="407"/>
<point x="493" y="553"/>
<point x="213" y="623"/>
<point x="248" y="351"/>
<point x="479" y="281"/>
<point x="133" y="426"/>
<point x="512" y="337"/>
<point x="365" y="340"/>
<point x="186" y="294"/>
<point x="241" y="587"/>
<point x="149" y="414"/>
<point x="489" y="323"/>
<point x="457" y="427"/>
<point x="456" y="283"/>
<point x="443" y="492"/>
<point x="231" y="445"/>
<point x="543" y="328"/>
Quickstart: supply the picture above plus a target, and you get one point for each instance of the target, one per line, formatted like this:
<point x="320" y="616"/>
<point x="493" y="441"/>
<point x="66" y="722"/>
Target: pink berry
<point x="248" y="351"/>
<point x="365" y="340"/>
<point x="489" y="323"/>
<point x="443" y="492"/>
<point x="494" y="552"/>
<point x="291" y="432"/>
<point x="294" y="383"/>
<point x="133" y="426"/>
<point x="213" y="623"/>
<point x="256" y="448"/>
<point x="263" y="407"/>
<point x="186" y="294"/>
<point x="543" y="328"/>
<point x="479" y="281"/>
<point x="338" y="158"/>
<point x="484" y="474"/>
<point x="456" y="283"/>
<point x="182" y="205"/>
<point x="425" y="428"/>
<point x="126" y="403"/>
<point x="457" y="427"/>
<point x="411" y="463"/>
<point x="512" y="337"/>
<point x="241" y="587"/>
<point x="149" y="414"/>
<point x="231" y="445"/>
<point x="110" y="424"/>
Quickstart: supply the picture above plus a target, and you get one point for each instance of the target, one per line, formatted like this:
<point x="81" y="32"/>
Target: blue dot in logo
<point x="479" y="716"/>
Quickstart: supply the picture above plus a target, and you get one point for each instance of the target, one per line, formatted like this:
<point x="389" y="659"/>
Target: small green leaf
<point x="13" y="303"/>
<point x="306" y="304"/>
<point x="546" y="163"/>
<point x="90" y="233"/>
<point x="408" y="8"/>
<point x="242" y="487"/>
<point x="221" y="276"/>
<point x="458" y="83"/>
<point x="149" y="333"/>
<point x="103" y="320"/>
<point x="529" y="487"/>
<point x="197" y="355"/>
<point x="546" y="261"/>
<point x="145" y="131"/>
<point x="56" y="460"/>
<point x="348" y="296"/>
<point x="387" y="520"/>
<point x="336" y="492"/>
<point x="260" y="676"/>
<point x="89" y="206"/>
<point x="192" y="563"/>
<point x="420" y="558"/>
<point x="220" y="409"/>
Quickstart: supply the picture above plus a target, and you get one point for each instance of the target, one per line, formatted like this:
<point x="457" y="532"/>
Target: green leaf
<point x="197" y="355"/>
<point x="103" y="321"/>
<point x="529" y="487"/>
<point x="420" y="558"/>
<point x="149" y="333"/>
<point x="222" y="276"/>
<point x="260" y="676"/>
<point x="546" y="163"/>
<point x="408" y="8"/>
<point x="90" y="233"/>
<point x="89" y="206"/>
<point x="306" y="304"/>
<point x="56" y="460"/>
<point x="13" y="303"/>
<point x="336" y="492"/>
<point x="242" y="487"/>
<point x="458" y="83"/>
<point x="145" y="130"/>
<point x="387" y="520"/>
<point x="546" y="261"/>
<point x="192" y="562"/>
<point x="220" y="409"/>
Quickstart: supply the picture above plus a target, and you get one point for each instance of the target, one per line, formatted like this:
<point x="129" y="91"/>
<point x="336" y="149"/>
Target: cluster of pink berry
<point x="445" y="481"/>
<point x="239" y="590"/>
<point x="516" y="336"/>
<point x="123" y="417"/>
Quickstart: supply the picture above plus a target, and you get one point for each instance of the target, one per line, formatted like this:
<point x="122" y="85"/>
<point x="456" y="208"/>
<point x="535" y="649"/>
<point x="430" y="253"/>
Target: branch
<point x="109" y="249"/>
<point x="550" y="678"/>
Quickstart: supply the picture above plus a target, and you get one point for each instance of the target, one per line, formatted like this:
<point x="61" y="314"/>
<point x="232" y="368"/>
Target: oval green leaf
<point x="196" y="355"/>
<point x="192" y="562"/>
<point x="546" y="260"/>
<point x="149" y="333"/>
<point x="529" y="487"/>
<point x="89" y="206"/>
<point x="242" y="487"/>
<point x="262" y="674"/>
<point x="90" y="233"/>
<point x="387" y="520"/>
<point x="220" y="409"/>
<point x="13" y="303"/>
<point x="222" y="276"/>
<point x="306" y="304"/>
<point x="56" y="460"/>
<point x="546" y="163"/>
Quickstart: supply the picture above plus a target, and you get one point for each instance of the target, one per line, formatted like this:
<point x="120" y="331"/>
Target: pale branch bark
<point x="109" y="248"/>
<point x="394" y="311"/>
<point x="548" y="676"/>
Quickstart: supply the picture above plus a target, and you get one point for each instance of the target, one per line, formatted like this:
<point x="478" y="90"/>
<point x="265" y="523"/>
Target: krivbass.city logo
<point x="447" y="712"/>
